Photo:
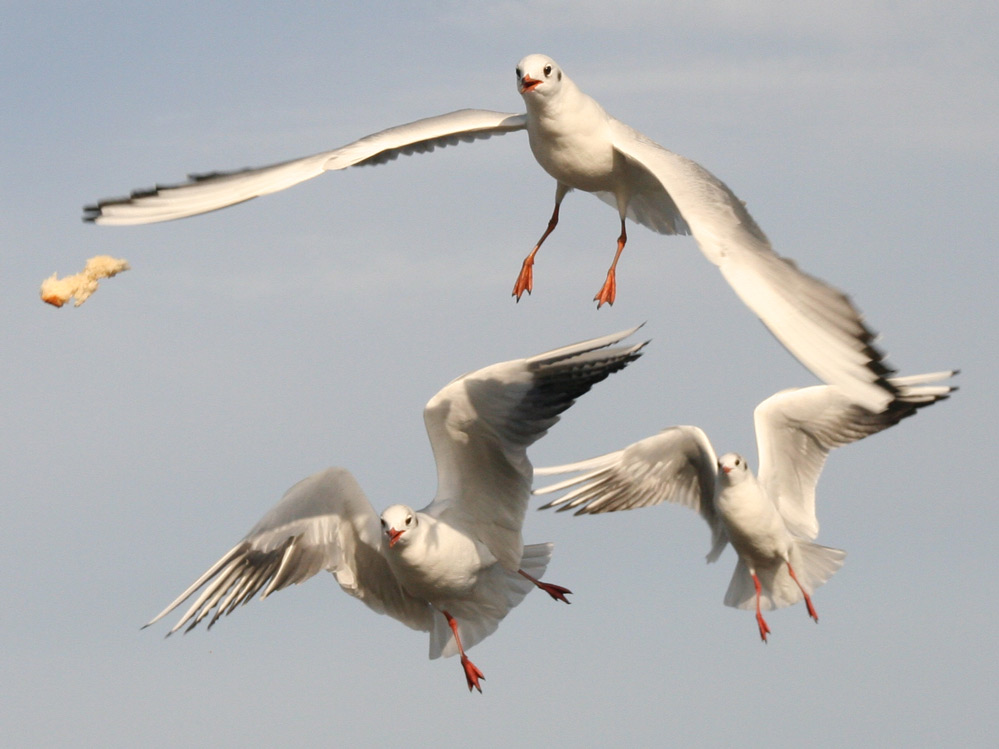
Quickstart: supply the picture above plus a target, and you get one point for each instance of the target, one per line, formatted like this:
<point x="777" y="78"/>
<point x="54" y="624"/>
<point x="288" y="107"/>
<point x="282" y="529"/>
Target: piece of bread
<point x="57" y="292"/>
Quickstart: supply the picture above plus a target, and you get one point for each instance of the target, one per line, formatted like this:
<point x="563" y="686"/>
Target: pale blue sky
<point x="145" y="432"/>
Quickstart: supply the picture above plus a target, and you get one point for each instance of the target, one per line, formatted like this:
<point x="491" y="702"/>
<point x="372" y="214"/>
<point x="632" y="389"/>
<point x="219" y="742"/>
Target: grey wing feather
<point x="215" y="190"/>
<point x="649" y="202"/>
<point x="481" y="425"/>
<point x="816" y="322"/>
<point x="678" y="465"/>
<point x="797" y="428"/>
<point x="323" y="522"/>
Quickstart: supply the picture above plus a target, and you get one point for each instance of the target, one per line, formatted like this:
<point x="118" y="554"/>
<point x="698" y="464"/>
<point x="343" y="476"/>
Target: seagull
<point x="769" y="519"/>
<point x="582" y="147"/>
<point x="456" y="567"/>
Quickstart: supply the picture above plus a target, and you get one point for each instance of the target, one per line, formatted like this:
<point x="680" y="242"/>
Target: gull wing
<point x="322" y="522"/>
<point x="816" y="322"/>
<point x="797" y="428"/>
<point x="215" y="190"/>
<point x="677" y="465"/>
<point x="481" y="424"/>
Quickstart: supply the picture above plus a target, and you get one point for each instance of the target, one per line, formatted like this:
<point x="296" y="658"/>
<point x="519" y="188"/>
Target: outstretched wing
<point x="481" y="425"/>
<point x="215" y="190"/>
<point x="322" y="522"/>
<point x="797" y="428"/>
<point x="817" y="323"/>
<point x="677" y="465"/>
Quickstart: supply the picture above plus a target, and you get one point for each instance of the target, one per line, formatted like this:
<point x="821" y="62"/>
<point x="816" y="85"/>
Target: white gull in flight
<point x="584" y="148"/>
<point x="770" y="519"/>
<point x="455" y="568"/>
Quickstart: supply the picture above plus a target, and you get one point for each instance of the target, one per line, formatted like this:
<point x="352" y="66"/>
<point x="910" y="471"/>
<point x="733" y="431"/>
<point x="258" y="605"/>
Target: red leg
<point x="808" y="600"/>
<point x="472" y="673"/>
<point x="760" y="621"/>
<point x="525" y="281"/>
<point x="555" y="591"/>
<point x="608" y="292"/>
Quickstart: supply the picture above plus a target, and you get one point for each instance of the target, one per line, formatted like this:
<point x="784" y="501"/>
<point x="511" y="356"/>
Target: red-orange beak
<point x="393" y="535"/>
<point x="528" y="84"/>
<point x="726" y="469"/>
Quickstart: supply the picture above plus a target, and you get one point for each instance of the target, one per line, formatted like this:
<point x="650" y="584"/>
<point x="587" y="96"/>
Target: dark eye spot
<point x="519" y="74"/>
<point x="409" y="519"/>
<point x="548" y="70"/>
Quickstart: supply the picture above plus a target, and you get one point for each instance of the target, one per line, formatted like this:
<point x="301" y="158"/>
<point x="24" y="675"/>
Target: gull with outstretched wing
<point x="454" y="568"/>
<point x="769" y="519"/>
<point x="584" y="148"/>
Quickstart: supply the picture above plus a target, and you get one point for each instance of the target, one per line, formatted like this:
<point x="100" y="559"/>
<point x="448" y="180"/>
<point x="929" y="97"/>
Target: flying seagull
<point x="584" y="148"/>
<point x="769" y="519"/>
<point x="456" y="567"/>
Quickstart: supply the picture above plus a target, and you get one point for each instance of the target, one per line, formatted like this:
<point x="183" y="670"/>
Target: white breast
<point x="440" y="563"/>
<point x="572" y="142"/>
<point x="755" y="528"/>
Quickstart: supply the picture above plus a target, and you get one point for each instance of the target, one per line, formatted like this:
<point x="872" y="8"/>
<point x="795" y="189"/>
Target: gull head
<point x="732" y="468"/>
<point x="538" y="75"/>
<point x="396" y="521"/>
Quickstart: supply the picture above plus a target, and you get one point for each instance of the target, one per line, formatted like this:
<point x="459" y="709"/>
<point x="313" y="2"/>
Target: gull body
<point x="752" y="522"/>
<point x="569" y="132"/>
<point x="769" y="520"/>
<point x="583" y="147"/>
<point x="452" y="573"/>
<point x="459" y="565"/>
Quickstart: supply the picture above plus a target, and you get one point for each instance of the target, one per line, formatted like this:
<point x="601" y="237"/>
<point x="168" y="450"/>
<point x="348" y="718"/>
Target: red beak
<point x="393" y="535"/>
<point x="528" y="84"/>
<point x="726" y="469"/>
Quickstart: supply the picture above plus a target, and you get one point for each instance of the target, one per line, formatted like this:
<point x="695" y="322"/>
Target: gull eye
<point x="548" y="70"/>
<point x="383" y="522"/>
<point x="409" y="519"/>
<point x="519" y="73"/>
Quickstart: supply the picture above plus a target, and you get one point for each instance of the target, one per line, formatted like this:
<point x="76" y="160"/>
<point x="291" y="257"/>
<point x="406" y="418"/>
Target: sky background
<point x="145" y="432"/>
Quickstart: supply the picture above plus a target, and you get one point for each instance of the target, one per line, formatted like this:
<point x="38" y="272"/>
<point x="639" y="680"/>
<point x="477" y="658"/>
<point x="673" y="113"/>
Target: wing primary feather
<point x="209" y="573"/>
<point x="194" y="613"/>
<point x="565" y="483"/>
<point x="215" y="592"/>
<point x="278" y="580"/>
<point x="210" y="191"/>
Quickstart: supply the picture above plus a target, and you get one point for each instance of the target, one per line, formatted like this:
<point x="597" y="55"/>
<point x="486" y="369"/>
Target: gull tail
<point x="813" y="564"/>
<point x="500" y="592"/>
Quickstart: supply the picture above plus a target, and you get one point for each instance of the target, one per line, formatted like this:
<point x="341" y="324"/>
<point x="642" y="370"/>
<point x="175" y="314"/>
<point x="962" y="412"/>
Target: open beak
<point x="528" y="84"/>
<point x="726" y="469"/>
<point x="393" y="535"/>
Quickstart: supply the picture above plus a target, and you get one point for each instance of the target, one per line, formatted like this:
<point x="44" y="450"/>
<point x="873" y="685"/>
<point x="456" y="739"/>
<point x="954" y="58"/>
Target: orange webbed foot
<point x="608" y="292"/>
<point x="764" y="628"/>
<point x="525" y="281"/>
<point x="472" y="674"/>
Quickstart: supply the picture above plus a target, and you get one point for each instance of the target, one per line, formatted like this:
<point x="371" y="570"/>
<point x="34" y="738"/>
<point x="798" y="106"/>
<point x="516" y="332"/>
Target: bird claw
<point x="608" y="292"/>
<point x="808" y="598"/>
<point x="472" y="674"/>
<point x="556" y="591"/>
<point x="811" y="609"/>
<point x="525" y="281"/>
<point x="764" y="628"/>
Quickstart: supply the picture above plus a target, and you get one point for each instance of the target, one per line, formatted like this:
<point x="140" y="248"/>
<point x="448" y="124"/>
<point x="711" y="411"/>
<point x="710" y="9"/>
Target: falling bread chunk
<point x="57" y="291"/>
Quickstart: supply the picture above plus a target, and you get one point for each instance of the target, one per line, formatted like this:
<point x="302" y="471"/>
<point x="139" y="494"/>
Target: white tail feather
<point x="813" y="564"/>
<point x="503" y="591"/>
